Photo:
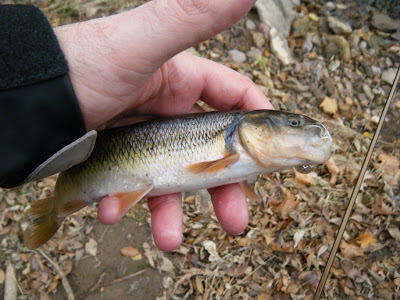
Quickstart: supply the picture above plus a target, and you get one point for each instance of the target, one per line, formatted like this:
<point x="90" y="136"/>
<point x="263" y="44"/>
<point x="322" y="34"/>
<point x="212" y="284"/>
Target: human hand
<point x="129" y="67"/>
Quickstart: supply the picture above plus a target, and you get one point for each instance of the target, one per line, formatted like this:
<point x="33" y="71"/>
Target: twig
<point x="187" y="276"/>
<point x="129" y="276"/>
<point x="96" y="286"/>
<point x="64" y="280"/>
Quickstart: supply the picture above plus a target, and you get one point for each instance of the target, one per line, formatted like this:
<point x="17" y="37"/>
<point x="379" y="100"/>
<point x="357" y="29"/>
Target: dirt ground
<point x="293" y="221"/>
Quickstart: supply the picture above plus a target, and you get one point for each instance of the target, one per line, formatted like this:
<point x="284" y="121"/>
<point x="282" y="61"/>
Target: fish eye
<point x="294" y="121"/>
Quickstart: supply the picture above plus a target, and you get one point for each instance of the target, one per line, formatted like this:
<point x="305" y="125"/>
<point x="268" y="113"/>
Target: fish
<point x="178" y="154"/>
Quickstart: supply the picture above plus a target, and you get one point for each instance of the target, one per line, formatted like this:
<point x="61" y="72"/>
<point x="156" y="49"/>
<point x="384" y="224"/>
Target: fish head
<point x="280" y="139"/>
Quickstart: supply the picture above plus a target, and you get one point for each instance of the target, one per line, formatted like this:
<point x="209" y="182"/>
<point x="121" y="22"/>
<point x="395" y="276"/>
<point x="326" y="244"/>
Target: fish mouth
<point x="323" y="137"/>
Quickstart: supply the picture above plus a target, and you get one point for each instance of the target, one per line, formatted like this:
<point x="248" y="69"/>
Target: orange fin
<point x="127" y="200"/>
<point x="215" y="165"/>
<point x="44" y="223"/>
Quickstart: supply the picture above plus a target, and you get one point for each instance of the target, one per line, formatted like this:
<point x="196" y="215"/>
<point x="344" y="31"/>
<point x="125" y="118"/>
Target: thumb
<point x="149" y="35"/>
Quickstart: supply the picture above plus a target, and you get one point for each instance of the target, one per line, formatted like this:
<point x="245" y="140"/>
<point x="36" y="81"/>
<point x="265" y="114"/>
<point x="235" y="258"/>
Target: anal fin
<point x="127" y="200"/>
<point x="214" y="165"/>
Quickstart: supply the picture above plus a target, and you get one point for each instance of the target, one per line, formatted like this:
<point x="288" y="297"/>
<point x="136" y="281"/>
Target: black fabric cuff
<point x="39" y="112"/>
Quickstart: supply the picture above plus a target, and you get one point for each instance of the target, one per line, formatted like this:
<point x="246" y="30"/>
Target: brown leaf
<point x="365" y="239"/>
<point x="380" y="208"/>
<point x="389" y="164"/>
<point x="329" y="105"/>
<point x="288" y="205"/>
<point x="129" y="251"/>
<point x="350" y="250"/>
<point x="394" y="232"/>
<point x="333" y="170"/>
<point x="302" y="178"/>
<point x="198" y="285"/>
<point x="288" y="249"/>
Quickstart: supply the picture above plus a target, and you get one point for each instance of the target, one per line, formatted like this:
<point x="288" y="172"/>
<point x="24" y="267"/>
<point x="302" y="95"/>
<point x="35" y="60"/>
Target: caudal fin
<point x="44" y="223"/>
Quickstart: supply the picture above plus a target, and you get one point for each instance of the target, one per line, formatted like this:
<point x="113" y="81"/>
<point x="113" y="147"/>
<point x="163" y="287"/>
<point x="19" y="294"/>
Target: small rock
<point x="308" y="44"/>
<point x="396" y="36"/>
<point x="384" y="23"/>
<point x="365" y="68"/>
<point x="258" y="39"/>
<point x="330" y="5"/>
<point x="254" y="53"/>
<point x="338" y="46"/>
<point x="349" y="87"/>
<point x="291" y="105"/>
<point x="276" y="13"/>
<point x="250" y="25"/>
<point x="264" y="28"/>
<point x="237" y="56"/>
<point x="354" y="38"/>
<point x="368" y="92"/>
<point x="294" y="85"/>
<point x="280" y="47"/>
<point x="339" y="26"/>
<point x="316" y="91"/>
<point x="301" y="26"/>
<point x="316" y="39"/>
<point x="388" y="75"/>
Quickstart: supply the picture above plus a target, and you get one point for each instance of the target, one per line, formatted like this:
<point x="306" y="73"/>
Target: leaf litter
<point x="294" y="217"/>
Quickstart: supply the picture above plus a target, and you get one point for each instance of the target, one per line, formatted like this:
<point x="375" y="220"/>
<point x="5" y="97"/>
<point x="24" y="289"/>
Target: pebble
<point x="365" y="68"/>
<point x="354" y="38"/>
<point x="376" y="70"/>
<point x="388" y="75"/>
<point x="338" y="46"/>
<point x="294" y="85"/>
<point x="368" y="92"/>
<point x="330" y="5"/>
<point x="250" y="25"/>
<point x="349" y="87"/>
<point x="280" y="47"/>
<point x="258" y="39"/>
<point x="301" y="26"/>
<point x="237" y="56"/>
<point x="384" y="23"/>
<point x="254" y="54"/>
<point x="278" y="14"/>
<point x="338" y="26"/>
<point x="308" y="44"/>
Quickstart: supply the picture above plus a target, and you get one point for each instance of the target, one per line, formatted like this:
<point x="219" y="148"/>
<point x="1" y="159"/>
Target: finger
<point x="230" y="206"/>
<point x="109" y="211"/>
<point x="188" y="77"/>
<point x="166" y="221"/>
<point x="165" y="28"/>
<point x="226" y="89"/>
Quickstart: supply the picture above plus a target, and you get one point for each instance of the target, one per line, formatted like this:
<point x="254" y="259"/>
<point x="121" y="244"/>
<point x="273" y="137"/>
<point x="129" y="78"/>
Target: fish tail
<point x="44" y="223"/>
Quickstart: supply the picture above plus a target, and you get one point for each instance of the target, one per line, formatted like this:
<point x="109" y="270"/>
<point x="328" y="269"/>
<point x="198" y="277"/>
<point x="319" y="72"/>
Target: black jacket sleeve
<point x="39" y="112"/>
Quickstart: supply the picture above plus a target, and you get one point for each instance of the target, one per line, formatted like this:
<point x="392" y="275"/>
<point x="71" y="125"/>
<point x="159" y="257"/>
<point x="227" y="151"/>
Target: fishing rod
<point x="355" y="191"/>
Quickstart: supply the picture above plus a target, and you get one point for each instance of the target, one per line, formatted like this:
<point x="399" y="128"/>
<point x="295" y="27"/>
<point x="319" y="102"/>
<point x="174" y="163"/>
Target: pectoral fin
<point x="127" y="200"/>
<point x="214" y="165"/>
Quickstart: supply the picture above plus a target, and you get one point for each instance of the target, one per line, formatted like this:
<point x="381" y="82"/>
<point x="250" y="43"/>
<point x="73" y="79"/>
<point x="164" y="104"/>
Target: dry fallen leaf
<point x="333" y="170"/>
<point x="288" y="205"/>
<point x="302" y="178"/>
<point x="198" y="285"/>
<point x="394" y="232"/>
<point x="288" y="249"/>
<point x="389" y="164"/>
<point x="2" y="276"/>
<point x="91" y="247"/>
<point x="365" y="239"/>
<point x="329" y="105"/>
<point x="212" y="250"/>
<point x="350" y="250"/>
<point x="129" y="251"/>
